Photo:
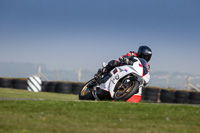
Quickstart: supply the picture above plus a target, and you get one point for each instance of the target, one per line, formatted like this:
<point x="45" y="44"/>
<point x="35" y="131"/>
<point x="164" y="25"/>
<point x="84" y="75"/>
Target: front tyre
<point x="86" y="93"/>
<point x="126" y="89"/>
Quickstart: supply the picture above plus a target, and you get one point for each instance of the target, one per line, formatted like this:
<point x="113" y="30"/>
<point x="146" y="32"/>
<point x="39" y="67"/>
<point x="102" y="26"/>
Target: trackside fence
<point x="46" y="86"/>
<point x="159" y="95"/>
<point x="149" y="94"/>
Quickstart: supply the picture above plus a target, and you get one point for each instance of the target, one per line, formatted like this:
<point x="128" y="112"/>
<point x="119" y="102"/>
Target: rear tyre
<point x="86" y="93"/>
<point x="126" y="89"/>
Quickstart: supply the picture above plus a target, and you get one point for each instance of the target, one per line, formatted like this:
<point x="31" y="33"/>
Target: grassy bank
<point x="56" y="115"/>
<point x="16" y="93"/>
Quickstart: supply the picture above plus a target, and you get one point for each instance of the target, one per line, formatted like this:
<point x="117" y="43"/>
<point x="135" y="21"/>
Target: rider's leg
<point x="112" y="64"/>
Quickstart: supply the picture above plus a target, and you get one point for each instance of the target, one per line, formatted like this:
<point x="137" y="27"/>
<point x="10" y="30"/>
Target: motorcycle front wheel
<point x="126" y="89"/>
<point x="86" y="92"/>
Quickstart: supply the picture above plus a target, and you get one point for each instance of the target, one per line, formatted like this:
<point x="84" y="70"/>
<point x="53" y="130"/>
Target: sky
<point x="72" y="34"/>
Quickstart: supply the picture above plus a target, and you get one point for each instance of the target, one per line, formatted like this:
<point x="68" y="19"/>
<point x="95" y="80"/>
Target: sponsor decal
<point x="117" y="77"/>
<point x="115" y="71"/>
<point x="121" y="69"/>
<point x="113" y="81"/>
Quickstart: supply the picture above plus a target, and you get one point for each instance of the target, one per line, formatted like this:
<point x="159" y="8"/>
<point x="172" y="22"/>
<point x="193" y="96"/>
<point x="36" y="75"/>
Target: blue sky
<point x="68" y="34"/>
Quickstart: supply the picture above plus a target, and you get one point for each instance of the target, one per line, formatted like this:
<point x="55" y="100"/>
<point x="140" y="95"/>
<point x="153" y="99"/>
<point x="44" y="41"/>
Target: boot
<point x="92" y="84"/>
<point x="99" y="74"/>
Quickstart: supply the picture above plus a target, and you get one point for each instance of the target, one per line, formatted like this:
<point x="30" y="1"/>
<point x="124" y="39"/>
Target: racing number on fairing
<point x="116" y="78"/>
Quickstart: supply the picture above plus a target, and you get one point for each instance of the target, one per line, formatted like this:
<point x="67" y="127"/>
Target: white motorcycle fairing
<point x="109" y="82"/>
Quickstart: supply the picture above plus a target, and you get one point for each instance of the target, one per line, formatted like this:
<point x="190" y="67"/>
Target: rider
<point x="143" y="52"/>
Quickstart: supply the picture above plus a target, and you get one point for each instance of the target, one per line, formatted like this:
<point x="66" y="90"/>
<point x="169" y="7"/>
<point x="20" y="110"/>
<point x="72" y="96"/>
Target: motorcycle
<point x="121" y="83"/>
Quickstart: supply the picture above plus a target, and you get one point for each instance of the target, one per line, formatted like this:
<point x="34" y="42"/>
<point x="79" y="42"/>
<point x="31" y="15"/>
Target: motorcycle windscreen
<point x="145" y="66"/>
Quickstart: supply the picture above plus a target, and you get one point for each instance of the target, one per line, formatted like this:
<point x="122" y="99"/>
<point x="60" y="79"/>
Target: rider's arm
<point x="131" y="53"/>
<point x="128" y="58"/>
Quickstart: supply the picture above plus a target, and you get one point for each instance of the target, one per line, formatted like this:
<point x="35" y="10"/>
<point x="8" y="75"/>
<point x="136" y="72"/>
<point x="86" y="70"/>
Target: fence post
<point x="188" y="83"/>
<point x="79" y="74"/>
<point x="57" y="73"/>
<point x="167" y="82"/>
<point x="40" y="74"/>
<point x="39" y="71"/>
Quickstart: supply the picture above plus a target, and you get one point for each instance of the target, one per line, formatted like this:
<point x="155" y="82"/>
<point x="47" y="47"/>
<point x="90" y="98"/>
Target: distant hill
<point x="175" y="79"/>
<point x="14" y="69"/>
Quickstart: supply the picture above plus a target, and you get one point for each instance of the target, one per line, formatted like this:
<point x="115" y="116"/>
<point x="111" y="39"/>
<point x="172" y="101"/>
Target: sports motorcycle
<point x="121" y="83"/>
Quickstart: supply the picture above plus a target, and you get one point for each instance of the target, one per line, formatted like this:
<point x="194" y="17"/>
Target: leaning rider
<point x="143" y="52"/>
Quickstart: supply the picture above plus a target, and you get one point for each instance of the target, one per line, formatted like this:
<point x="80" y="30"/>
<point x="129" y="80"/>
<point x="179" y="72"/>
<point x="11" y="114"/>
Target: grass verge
<point x="56" y="115"/>
<point x="16" y="93"/>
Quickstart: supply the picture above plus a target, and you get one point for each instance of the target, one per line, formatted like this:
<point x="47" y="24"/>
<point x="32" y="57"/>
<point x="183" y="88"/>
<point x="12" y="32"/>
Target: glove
<point x="124" y="60"/>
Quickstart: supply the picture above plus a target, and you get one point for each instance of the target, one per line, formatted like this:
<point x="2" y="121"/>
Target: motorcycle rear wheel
<point x="126" y="89"/>
<point x="86" y="93"/>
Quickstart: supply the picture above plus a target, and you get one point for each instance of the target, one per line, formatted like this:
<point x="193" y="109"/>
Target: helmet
<point x="145" y="53"/>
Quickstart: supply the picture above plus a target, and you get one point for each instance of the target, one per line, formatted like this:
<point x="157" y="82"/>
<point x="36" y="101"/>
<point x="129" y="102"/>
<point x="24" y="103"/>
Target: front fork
<point x="94" y="93"/>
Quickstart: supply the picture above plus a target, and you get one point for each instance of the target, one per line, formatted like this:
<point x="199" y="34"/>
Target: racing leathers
<point x="127" y="59"/>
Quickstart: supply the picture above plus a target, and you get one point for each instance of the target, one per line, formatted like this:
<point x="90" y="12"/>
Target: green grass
<point x="58" y="115"/>
<point x="15" y="93"/>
